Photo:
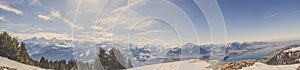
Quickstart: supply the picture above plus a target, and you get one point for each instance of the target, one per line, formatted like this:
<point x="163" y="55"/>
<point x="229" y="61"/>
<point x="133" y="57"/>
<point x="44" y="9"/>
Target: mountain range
<point x="55" y="49"/>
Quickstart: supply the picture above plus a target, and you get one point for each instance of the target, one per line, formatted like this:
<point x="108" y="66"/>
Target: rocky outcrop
<point x="6" y="68"/>
<point x="237" y="64"/>
<point x="289" y="55"/>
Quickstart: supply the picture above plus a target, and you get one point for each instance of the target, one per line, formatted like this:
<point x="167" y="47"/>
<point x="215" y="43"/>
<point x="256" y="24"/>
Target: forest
<point x="111" y="59"/>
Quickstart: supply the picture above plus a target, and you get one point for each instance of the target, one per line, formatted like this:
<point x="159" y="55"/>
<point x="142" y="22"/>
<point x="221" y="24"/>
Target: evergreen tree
<point x="63" y="65"/>
<point x="56" y="65"/>
<point x="71" y="64"/>
<point x="113" y="60"/>
<point x="11" y="48"/>
<point x="103" y="57"/>
<point x="116" y="59"/>
<point x="8" y="46"/>
<point x="24" y="57"/>
<point x="129" y="64"/>
<point x="43" y="62"/>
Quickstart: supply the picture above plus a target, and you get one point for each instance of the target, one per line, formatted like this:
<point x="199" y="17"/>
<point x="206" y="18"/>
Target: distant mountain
<point x="242" y="45"/>
<point x="190" y="49"/>
<point x="55" y="49"/>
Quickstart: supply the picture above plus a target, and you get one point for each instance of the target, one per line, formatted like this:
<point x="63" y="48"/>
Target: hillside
<point x="262" y="66"/>
<point x="179" y="65"/>
<point x="285" y="56"/>
<point x="19" y="66"/>
<point x="213" y="65"/>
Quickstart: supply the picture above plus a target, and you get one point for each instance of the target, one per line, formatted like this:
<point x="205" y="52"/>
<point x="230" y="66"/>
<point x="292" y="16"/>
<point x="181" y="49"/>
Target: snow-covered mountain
<point x="285" y="56"/>
<point x="55" y="49"/>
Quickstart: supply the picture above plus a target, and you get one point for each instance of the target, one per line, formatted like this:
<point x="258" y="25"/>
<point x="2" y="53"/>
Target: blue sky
<point x="142" y="21"/>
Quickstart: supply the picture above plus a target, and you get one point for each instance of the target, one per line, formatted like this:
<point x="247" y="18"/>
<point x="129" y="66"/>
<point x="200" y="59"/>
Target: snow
<point x="81" y="55"/>
<point x="262" y="66"/>
<point x="203" y="65"/>
<point x="62" y="45"/>
<point x="180" y="65"/>
<point x="85" y="53"/>
<point x="292" y="49"/>
<point x="13" y="64"/>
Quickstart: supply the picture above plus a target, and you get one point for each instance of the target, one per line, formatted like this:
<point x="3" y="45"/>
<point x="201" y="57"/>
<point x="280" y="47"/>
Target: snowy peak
<point x="45" y="42"/>
<point x="293" y="48"/>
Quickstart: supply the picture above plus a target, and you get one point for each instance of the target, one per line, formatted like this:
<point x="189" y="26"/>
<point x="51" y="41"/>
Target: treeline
<point x="111" y="60"/>
<point x="14" y="50"/>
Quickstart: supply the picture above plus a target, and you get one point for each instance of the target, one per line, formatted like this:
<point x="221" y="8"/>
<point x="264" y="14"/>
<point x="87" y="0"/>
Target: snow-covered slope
<point x="179" y="65"/>
<point x="19" y="66"/>
<point x="262" y="66"/>
<point x="204" y="65"/>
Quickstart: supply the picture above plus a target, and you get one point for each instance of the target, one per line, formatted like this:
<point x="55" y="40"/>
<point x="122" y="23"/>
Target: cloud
<point x="39" y="29"/>
<point x="54" y="14"/>
<point x="46" y="18"/>
<point x="98" y="28"/>
<point x="10" y="9"/>
<point x="145" y="24"/>
<point x="72" y="24"/>
<point x="148" y="32"/>
<point x="2" y="18"/>
<point x="104" y="34"/>
<point x="271" y="15"/>
<point x="57" y="14"/>
<point x="35" y="2"/>
<point x="47" y="35"/>
<point x="16" y="25"/>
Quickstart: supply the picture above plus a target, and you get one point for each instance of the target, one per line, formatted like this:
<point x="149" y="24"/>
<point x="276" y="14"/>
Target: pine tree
<point x="71" y="64"/>
<point x="56" y="65"/>
<point x="25" y="56"/>
<point x="12" y="49"/>
<point x="129" y="64"/>
<point x="63" y="65"/>
<point x="103" y="58"/>
<point x="43" y="62"/>
<point x="116" y="59"/>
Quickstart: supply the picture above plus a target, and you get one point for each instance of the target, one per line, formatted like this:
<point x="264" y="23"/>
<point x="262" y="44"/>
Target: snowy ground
<point x="13" y="64"/>
<point x="202" y="65"/>
<point x="180" y="65"/>
<point x="261" y="66"/>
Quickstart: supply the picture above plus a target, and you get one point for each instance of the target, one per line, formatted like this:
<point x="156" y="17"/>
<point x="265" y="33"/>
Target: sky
<point x="146" y="21"/>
